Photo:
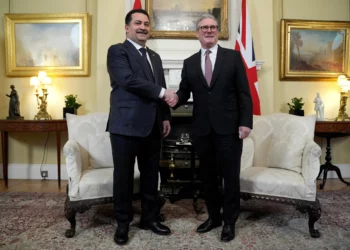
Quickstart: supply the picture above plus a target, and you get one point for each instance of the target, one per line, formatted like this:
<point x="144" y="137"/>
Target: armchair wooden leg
<point x="70" y="216"/>
<point x="314" y="211"/>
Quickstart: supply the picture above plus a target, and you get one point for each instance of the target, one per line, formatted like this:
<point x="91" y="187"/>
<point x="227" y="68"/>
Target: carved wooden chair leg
<point x="314" y="211"/>
<point x="70" y="213"/>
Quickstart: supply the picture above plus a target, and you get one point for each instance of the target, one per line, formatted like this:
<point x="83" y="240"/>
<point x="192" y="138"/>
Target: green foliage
<point x="297" y="104"/>
<point x="71" y="101"/>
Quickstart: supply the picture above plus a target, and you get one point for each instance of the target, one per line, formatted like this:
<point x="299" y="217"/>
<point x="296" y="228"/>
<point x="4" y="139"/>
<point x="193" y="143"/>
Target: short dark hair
<point x="128" y="16"/>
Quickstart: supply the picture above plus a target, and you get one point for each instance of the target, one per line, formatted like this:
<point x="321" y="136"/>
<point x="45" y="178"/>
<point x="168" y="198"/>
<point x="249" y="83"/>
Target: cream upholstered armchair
<point x="280" y="163"/>
<point x="89" y="165"/>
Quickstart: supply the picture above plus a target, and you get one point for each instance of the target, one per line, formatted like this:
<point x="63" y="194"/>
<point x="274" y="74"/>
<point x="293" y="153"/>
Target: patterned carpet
<point x="36" y="221"/>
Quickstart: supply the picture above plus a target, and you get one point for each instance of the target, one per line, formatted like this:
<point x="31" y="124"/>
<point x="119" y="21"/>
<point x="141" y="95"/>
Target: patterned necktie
<point x="144" y="56"/>
<point x="208" y="69"/>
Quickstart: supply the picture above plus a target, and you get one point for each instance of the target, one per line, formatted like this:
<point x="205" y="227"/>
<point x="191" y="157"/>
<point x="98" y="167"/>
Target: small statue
<point x="319" y="107"/>
<point x="14" y="111"/>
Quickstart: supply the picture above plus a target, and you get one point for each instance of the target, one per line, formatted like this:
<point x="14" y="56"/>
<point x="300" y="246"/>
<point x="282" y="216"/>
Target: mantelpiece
<point x="173" y="68"/>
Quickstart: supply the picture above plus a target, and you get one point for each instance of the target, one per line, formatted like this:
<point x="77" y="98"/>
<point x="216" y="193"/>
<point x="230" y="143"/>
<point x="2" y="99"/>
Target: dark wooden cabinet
<point x="179" y="165"/>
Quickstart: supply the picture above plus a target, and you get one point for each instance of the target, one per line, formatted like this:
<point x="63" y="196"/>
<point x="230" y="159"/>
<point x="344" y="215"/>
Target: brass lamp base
<point x="42" y="105"/>
<point x="42" y="115"/>
<point x="342" y="115"/>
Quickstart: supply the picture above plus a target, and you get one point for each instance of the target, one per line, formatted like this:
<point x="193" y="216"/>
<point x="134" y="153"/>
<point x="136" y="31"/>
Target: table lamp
<point x="344" y="85"/>
<point x="41" y="80"/>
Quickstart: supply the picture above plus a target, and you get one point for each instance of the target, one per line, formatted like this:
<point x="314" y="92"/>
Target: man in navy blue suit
<point x="138" y="120"/>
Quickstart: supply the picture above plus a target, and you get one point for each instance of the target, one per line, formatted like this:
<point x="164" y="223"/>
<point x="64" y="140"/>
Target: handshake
<point x="170" y="97"/>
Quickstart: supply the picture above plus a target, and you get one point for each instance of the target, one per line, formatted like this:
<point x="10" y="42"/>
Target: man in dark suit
<point x="222" y="117"/>
<point x="138" y="119"/>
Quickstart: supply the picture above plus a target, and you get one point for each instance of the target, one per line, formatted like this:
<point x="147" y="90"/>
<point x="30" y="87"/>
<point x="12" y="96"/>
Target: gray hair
<point x="204" y="16"/>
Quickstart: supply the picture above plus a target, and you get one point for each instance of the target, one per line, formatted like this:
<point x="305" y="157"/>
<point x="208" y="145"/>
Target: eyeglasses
<point x="206" y="28"/>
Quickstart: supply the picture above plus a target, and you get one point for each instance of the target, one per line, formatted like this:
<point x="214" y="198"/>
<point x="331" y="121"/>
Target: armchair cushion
<point x="265" y="126"/>
<point x="100" y="150"/>
<point x="286" y="151"/>
<point x="98" y="183"/>
<point x="274" y="182"/>
<point x="80" y="126"/>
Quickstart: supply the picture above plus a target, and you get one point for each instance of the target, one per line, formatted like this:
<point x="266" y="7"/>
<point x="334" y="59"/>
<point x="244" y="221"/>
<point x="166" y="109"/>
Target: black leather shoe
<point x="228" y="233"/>
<point x="208" y="225"/>
<point x="156" y="227"/>
<point x="121" y="235"/>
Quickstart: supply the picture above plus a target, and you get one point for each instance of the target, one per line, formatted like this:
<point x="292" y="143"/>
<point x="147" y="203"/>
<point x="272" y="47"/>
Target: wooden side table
<point x="7" y="126"/>
<point x="329" y="130"/>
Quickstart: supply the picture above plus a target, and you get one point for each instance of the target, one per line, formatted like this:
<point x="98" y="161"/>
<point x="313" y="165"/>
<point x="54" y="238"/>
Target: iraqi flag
<point x="244" y="44"/>
<point x="137" y="5"/>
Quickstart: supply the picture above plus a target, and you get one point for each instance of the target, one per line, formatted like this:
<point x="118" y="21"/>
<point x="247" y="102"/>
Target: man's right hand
<point x="170" y="97"/>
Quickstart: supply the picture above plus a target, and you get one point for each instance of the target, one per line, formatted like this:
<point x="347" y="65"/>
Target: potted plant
<point x="296" y="108"/>
<point x="71" y="105"/>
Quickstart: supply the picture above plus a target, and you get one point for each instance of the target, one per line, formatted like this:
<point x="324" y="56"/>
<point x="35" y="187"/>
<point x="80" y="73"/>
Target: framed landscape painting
<point x="314" y="50"/>
<point x="177" y="18"/>
<point x="56" y="43"/>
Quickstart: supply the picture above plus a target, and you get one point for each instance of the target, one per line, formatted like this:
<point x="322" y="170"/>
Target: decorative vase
<point x="69" y="110"/>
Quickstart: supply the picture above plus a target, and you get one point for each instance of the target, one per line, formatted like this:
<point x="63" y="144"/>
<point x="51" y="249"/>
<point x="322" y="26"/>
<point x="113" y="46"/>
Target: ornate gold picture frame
<point x="177" y="18"/>
<point x="314" y="50"/>
<point x="56" y="43"/>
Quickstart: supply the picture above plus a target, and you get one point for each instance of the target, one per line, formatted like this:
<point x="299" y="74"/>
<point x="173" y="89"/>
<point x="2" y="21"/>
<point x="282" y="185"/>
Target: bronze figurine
<point x="14" y="110"/>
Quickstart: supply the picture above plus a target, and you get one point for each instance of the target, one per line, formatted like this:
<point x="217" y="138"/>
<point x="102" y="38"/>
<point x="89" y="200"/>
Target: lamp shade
<point x="34" y="81"/>
<point x="343" y="83"/>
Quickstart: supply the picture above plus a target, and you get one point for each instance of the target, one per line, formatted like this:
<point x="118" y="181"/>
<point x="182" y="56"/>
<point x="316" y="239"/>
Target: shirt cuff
<point x="161" y="94"/>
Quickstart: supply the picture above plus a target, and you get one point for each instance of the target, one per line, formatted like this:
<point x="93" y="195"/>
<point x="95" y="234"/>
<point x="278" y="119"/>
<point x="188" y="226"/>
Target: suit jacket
<point x="134" y="102"/>
<point x="226" y="104"/>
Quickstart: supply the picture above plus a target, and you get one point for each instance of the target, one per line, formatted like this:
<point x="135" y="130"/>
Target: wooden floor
<point x="52" y="186"/>
<point x="33" y="186"/>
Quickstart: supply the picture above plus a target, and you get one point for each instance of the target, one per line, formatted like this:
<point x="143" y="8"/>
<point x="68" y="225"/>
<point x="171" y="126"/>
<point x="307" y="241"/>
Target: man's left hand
<point x="166" y="128"/>
<point x="243" y="132"/>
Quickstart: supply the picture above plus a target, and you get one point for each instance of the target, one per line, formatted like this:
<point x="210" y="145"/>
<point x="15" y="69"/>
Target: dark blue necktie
<point x="143" y="52"/>
<point x="144" y="56"/>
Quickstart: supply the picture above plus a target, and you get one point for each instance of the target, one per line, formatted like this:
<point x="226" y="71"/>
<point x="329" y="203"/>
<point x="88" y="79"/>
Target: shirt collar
<point x="136" y="45"/>
<point x="214" y="50"/>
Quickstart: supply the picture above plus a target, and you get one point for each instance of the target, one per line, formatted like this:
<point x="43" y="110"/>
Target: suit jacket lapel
<point x="155" y="66"/>
<point x="138" y="57"/>
<point x="220" y="57"/>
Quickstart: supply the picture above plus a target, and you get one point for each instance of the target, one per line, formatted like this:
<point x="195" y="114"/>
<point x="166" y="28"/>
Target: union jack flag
<point x="244" y="44"/>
